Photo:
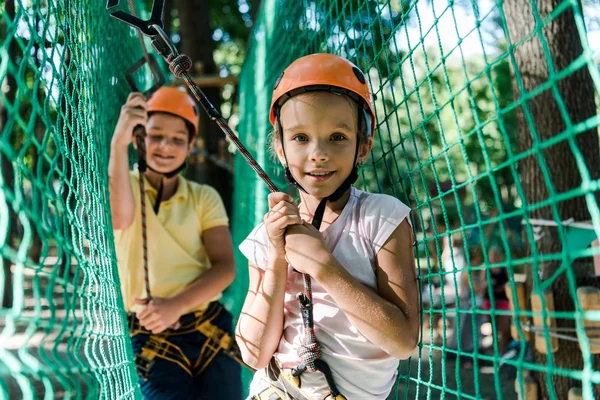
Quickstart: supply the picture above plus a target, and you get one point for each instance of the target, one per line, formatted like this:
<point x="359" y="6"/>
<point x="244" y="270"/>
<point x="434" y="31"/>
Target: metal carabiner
<point x="159" y="78"/>
<point x="145" y="26"/>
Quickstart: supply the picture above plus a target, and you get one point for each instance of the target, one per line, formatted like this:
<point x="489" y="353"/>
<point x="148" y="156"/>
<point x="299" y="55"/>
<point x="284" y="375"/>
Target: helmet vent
<point x="359" y="75"/>
<point x="278" y="80"/>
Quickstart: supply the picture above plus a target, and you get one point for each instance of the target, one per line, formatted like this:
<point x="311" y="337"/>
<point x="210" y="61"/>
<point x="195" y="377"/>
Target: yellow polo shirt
<point x="176" y="254"/>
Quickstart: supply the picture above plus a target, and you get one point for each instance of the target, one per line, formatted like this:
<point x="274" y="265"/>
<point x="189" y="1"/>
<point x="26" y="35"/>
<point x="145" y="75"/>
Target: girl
<point x="364" y="290"/>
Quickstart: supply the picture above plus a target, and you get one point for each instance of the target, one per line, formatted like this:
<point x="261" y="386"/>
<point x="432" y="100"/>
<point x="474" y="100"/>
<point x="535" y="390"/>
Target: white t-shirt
<point x="361" y="370"/>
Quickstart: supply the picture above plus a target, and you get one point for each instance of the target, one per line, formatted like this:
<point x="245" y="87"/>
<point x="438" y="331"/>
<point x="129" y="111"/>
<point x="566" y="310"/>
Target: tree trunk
<point x="197" y="42"/>
<point x="9" y="87"/>
<point x="577" y="94"/>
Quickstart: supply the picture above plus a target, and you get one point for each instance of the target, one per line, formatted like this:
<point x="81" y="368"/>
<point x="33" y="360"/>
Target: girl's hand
<point x="133" y="113"/>
<point x="305" y="249"/>
<point x="282" y="214"/>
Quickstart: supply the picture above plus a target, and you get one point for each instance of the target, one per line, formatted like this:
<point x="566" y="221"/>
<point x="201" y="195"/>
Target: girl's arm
<point x="388" y="317"/>
<point x="260" y="325"/>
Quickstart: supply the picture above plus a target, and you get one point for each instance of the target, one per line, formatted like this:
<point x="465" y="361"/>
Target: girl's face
<point x="167" y="142"/>
<point x="320" y="132"/>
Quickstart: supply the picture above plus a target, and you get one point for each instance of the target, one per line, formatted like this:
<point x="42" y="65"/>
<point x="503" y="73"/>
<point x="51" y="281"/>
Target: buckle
<point x="143" y="366"/>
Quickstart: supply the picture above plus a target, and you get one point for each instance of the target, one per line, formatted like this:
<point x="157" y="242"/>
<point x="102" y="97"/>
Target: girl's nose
<point x="319" y="152"/>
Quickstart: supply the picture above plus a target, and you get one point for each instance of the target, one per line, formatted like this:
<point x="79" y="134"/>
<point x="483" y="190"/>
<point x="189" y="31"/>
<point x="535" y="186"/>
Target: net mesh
<point x="62" y="326"/>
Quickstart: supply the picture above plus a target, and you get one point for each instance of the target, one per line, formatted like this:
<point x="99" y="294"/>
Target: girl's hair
<point x="188" y="124"/>
<point x="274" y="135"/>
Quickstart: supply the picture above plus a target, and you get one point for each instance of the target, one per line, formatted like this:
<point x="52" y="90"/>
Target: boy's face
<point x="495" y="256"/>
<point x="167" y="142"/>
<point x="320" y="133"/>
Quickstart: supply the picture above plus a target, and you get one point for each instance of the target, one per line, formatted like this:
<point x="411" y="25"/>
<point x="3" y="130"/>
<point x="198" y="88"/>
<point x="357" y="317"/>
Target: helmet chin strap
<point x="164" y="175"/>
<point x="335" y="196"/>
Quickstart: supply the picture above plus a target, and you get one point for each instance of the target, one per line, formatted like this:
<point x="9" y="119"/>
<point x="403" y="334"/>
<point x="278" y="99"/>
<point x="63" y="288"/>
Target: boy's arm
<point x="260" y="325"/>
<point x="122" y="204"/>
<point x="161" y="313"/>
<point x="219" y="249"/>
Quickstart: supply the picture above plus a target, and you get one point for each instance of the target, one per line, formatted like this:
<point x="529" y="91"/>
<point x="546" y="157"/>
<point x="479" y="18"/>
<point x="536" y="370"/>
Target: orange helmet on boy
<point x="324" y="72"/>
<point x="177" y="102"/>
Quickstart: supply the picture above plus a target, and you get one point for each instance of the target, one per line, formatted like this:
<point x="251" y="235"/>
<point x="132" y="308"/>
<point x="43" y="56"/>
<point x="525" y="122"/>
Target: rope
<point x="140" y="134"/>
<point x="180" y="65"/>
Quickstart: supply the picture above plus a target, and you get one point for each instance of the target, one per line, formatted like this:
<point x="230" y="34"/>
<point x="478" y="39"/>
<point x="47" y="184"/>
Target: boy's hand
<point x="282" y="214"/>
<point x="159" y="314"/>
<point x="133" y="113"/>
<point x="305" y="248"/>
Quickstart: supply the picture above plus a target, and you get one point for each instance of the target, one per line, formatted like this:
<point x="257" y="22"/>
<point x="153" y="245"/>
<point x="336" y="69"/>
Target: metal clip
<point x="147" y="27"/>
<point x="143" y="366"/>
<point x="163" y="45"/>
<point x="159" y="78"/>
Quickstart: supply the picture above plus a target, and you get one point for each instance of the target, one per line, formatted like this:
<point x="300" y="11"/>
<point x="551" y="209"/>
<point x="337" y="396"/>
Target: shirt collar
<point x="180" y="193"/>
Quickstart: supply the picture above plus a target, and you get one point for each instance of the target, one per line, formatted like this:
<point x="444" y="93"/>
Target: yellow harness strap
<point x="159" y="345"/>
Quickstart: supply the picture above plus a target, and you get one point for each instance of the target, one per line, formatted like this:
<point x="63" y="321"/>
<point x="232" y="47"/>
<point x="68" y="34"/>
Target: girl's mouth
<point x="320" y="176"/>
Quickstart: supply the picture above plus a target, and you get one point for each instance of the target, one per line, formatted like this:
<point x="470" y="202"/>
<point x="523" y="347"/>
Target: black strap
<point x="166" y="175"/>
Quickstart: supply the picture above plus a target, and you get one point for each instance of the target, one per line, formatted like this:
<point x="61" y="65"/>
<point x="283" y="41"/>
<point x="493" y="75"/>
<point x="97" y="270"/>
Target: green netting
<point x="487" y="128"/>
<point x="62" y="326"/>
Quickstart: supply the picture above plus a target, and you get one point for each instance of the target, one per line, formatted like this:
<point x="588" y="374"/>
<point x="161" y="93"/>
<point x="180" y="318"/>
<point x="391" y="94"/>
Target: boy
<point x="179" y="331"/>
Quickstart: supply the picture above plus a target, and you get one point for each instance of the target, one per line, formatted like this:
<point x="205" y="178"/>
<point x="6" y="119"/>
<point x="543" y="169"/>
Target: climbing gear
<point x="323" y="72"/>
<point x="174" y="101"/>
<point x="159" y="78"/>
<point x="286" y="386"/>
<point x="158" y="345"/>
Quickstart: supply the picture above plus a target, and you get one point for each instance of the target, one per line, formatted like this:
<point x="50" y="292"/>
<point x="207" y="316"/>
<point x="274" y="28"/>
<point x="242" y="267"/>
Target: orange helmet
<point x="323" y="72"/>
<point x="177" y="102"/>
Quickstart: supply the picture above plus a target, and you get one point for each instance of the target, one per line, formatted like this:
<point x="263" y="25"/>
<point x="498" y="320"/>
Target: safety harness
<point x="286" y="386"/>
<point x="159" y="345"/>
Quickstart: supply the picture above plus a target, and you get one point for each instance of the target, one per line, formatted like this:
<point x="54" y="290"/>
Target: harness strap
<point x="158" y="346"/>
<point x="201" y="321"/>
<point x="286" y="386"/>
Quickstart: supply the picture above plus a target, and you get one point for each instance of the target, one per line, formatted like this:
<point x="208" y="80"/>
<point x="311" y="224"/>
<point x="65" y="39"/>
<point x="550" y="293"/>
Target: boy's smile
<point x="167" y="142"/>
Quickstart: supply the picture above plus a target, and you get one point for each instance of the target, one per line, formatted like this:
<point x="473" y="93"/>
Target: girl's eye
<point x="338" y="137"/>
<point x="300" y="138"/>
<point x="178" y="142"/>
